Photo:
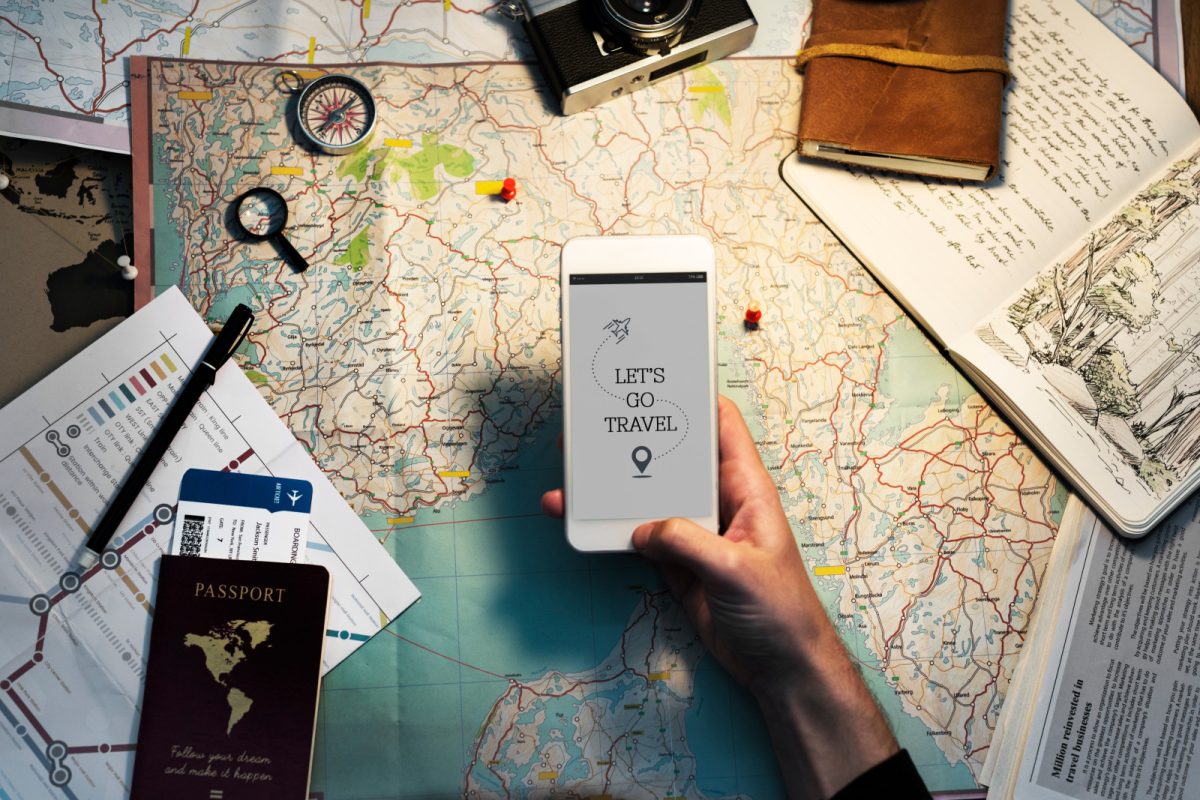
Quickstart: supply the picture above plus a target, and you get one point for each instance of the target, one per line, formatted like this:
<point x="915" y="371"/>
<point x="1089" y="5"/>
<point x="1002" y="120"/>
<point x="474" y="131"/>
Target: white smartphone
<point x="639" y="385"/>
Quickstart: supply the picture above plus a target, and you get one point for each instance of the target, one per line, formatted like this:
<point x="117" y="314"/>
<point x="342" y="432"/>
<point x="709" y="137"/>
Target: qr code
<point x="192" y="536"/>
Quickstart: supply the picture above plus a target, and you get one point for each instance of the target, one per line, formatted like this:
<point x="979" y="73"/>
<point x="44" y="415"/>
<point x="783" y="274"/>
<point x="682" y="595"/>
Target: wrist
<point x="809" y="662"/>
<point x="823" y="720"/>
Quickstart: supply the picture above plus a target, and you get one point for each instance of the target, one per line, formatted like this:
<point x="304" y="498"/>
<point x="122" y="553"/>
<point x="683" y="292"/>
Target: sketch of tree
<point x="1108" y="285"/>
<point x="1094" y="311"/>
<point x="1181" y="406"/>
<point x="1127" y="293"/>
<point x="1107" y="378"/>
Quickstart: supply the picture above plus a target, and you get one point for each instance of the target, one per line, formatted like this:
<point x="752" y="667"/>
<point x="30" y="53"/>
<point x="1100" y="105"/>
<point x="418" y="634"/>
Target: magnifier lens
<point x="262" y="213"/>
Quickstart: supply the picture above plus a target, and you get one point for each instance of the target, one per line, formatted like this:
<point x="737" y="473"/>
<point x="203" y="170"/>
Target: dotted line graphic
<point x="595" y="377"/>
<point x="687" y="426"/>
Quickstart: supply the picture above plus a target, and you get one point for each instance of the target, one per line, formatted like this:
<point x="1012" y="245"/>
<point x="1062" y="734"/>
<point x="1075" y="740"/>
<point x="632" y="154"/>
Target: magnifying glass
<point x="262" y="214"/>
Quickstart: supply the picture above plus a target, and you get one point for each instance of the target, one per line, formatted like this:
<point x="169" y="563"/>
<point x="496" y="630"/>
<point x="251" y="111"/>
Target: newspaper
<point x="1117" y="715"/>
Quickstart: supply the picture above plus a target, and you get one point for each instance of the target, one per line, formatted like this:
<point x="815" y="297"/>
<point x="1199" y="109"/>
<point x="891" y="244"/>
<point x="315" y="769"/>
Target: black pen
<point x="201" y="378"/>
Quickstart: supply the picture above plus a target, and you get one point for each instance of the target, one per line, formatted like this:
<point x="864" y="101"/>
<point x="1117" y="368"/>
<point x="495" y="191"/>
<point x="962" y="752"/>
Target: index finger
<point x="742" y="474"/>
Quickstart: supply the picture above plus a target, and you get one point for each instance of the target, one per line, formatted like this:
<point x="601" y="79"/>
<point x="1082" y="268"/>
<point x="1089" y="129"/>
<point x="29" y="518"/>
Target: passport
<point x="230" y="702"/>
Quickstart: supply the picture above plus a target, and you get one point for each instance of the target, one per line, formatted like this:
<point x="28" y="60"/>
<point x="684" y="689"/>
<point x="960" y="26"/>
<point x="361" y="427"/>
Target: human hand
<point x="749" y="597"/>
<point x="747" y="592"/>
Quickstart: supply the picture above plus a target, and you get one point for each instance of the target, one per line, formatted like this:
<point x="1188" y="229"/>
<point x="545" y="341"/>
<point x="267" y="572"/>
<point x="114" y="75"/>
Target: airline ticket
<point x="240" y="516"/>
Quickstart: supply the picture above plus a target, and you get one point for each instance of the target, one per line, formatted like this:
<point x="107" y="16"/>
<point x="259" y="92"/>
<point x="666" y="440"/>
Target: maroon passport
<point x="230" y="705"/>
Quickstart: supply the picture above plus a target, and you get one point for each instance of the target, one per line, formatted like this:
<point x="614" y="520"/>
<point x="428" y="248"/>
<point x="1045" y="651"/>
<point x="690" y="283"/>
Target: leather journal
<point x="906" y="85"/>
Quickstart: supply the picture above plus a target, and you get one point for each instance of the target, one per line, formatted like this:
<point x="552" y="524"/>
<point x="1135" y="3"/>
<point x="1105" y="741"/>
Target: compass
<point x="336" y="114"/>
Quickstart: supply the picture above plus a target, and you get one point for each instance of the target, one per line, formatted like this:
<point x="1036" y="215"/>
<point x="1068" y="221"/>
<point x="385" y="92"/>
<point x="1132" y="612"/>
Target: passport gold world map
<point x="224" y="648"/>
<point x="418" y="360"/>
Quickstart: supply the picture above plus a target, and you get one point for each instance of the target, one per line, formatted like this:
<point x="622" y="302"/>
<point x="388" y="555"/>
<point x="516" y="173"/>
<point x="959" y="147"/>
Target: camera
<point x="597" y="50"/>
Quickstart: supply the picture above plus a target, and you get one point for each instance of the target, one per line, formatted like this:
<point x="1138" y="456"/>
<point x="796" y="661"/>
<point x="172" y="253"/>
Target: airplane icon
<point x="619" y="328"/>
<point x="294" y="496"/>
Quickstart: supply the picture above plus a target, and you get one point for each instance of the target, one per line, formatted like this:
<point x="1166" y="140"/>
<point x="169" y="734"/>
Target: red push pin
<point x="509" y="190"/>
<point x="753" y="315"/>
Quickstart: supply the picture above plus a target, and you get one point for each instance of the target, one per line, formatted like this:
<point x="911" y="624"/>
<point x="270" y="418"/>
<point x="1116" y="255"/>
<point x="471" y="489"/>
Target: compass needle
<point x="336" y="114"/>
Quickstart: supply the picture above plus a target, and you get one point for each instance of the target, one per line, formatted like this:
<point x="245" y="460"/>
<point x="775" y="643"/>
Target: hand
<point x="747" y="592"/>
<point x="750" y="599"/>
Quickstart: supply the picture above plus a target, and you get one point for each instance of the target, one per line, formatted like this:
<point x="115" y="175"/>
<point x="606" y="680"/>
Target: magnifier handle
<point x="299" y="262"/>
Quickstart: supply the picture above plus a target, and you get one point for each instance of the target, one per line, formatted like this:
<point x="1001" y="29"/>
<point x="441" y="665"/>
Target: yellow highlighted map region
<point x="830" y="569"/>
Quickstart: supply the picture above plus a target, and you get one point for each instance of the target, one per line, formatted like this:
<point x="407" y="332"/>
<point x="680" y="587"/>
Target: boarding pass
<point x="242" y="517"/>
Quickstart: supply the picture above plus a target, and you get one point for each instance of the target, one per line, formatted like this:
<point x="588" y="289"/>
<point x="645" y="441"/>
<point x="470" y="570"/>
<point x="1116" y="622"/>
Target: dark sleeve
<point x="896" y="779"/>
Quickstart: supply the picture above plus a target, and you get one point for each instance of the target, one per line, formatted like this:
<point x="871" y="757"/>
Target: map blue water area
<point x="504" y="598"/>
<point x="912" y="373"/>
<point x="912" y="733"/>
<point x="728" y="738"/>
<point x="224" y="303"/>
<point x="167" y="241"/>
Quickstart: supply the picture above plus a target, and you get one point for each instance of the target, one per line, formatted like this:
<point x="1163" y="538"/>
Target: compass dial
<point x="337" y="113"/>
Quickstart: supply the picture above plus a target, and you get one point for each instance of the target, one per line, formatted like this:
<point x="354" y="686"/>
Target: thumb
<point x="683" y="542"/>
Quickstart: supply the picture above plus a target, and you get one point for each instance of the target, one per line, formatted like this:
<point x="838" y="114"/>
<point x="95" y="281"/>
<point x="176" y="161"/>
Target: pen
<point x="202" y="377"/>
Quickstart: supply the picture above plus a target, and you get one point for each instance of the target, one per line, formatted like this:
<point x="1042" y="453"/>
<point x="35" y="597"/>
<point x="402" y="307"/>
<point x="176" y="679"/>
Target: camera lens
<point x="643" y="6"/>
<point x="651" y="26"/>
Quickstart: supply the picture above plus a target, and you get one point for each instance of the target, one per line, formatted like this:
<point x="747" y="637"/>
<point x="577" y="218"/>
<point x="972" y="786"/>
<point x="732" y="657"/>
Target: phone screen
<point x="641" y="396"/>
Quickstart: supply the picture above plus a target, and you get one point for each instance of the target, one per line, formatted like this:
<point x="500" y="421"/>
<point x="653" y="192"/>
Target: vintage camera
<point x="596" y="50"/>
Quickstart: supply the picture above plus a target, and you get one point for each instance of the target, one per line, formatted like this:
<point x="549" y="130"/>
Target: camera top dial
<point x="649" y="26"/>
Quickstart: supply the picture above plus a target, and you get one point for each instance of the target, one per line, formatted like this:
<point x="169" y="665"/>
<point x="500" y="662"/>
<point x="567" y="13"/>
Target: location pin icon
<point x="641" y="458"/>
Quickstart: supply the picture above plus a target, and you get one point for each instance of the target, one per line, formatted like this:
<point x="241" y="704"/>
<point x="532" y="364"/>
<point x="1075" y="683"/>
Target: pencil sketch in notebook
<point x="1114" y="328"/>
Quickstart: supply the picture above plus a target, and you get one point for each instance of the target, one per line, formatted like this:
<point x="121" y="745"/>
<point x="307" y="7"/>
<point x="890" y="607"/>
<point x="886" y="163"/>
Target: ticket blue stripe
<point x="116" y="401"/>
<point x="250" y="491"/>
<point x="104" y="407"/>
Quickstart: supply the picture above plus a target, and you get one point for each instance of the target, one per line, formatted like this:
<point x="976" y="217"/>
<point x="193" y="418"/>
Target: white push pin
<point x="128" y="270"/>
<point x="4" y="181"/>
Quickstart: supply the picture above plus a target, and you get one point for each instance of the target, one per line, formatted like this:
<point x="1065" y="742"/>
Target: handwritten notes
<point x="1086" y="124"/>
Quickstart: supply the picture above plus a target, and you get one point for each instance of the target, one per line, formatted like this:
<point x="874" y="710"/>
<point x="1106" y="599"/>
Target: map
<point x="73" y="658"/>
<point x="418" y="360"/>
<point x="224" y="648"/>
<point x="1150" y="27"/>
<point x="76" y="207"/>
<point x="67" y="60"/>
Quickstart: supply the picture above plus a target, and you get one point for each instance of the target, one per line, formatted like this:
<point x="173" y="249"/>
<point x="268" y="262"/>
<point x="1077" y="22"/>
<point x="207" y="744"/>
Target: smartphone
<point x="639" y="385"/>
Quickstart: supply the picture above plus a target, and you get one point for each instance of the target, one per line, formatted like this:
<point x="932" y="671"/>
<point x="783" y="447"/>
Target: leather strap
<point x="905" y="58"/>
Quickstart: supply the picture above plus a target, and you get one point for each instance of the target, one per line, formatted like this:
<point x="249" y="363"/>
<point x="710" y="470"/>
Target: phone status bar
<point x="586" y="278"/>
